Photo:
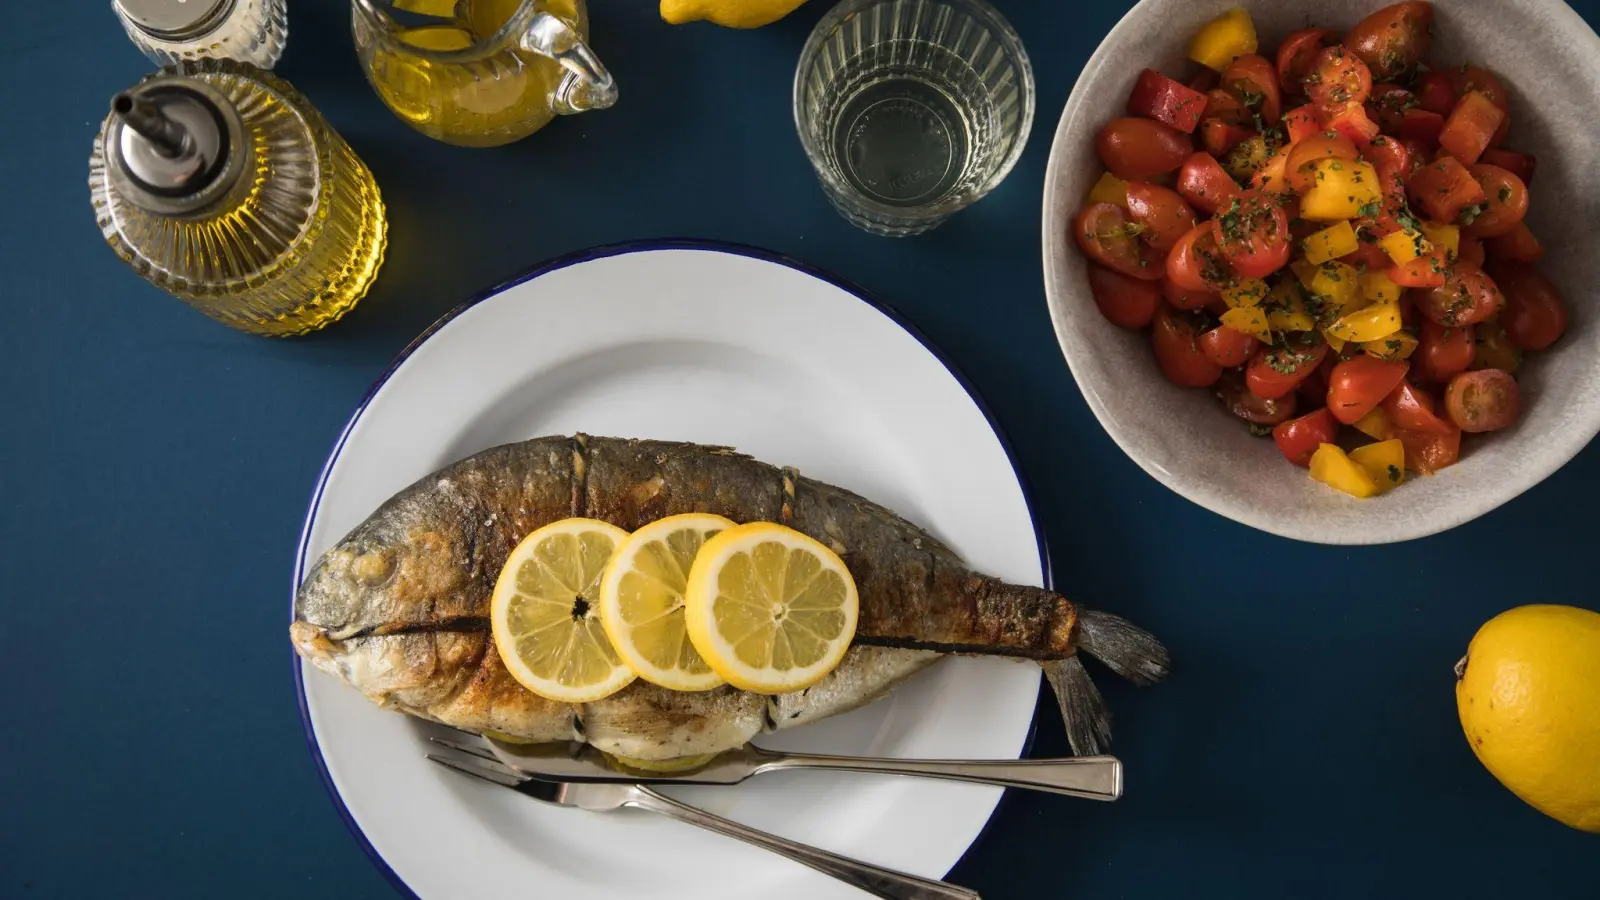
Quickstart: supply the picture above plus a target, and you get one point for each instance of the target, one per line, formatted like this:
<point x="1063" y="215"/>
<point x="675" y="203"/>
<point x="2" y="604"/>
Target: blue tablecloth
<point x="157" y="468"/>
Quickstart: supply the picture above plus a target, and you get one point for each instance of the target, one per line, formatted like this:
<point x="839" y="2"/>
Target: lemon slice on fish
<point x="545" y="617"/>
<point x="641" y="601"/>
<point x="770" y="609"/>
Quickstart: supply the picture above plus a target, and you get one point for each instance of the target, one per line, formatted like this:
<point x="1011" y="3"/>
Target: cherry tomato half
<point x="1129" y="302"/>
<point x="1275" y="371"/>
<point x="1254" y="81"/>
<point x="1175" y="338"/>
<point x="1431" y="270"/>
<point x="1442" y="353"/>
<point x="1435" y="93"/>
<point x="1518" y="244"/>
<point x="1411" y="409"/>
<point x="1359" y="384"/>
<point x="1184" y="298"/>
<point x="1388" y="104"/>
<point x="1197" y="263"/>
<point x="1535" y="316"/>
<point x="1297" y="55"/>
<point x="1253" y="234"/>
<point x="1338" y="79"/>
<point x="1467" y="297"/>
<point x="1140" y="149"/>
<point x="1205" y="184"/>
<point x="1162" y="215"/>
<point x="1104" y="235"/>
<point x="1392" y="40"/>
<point x="1485" y="400"/>
<point x="1240" y="403"/>
<point x="1506" y="199"/>
<point x="1228" y="348"/>
<point x="1299" y="438"/>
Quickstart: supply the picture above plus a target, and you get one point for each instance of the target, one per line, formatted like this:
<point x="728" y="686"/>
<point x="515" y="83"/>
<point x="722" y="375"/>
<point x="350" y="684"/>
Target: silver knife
<point x="1091" y="777"/>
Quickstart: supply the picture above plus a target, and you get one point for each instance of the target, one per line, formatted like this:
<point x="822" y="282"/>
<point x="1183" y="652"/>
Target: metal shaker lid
<point x="174" y="144"/>
<point x="175" y="20"/>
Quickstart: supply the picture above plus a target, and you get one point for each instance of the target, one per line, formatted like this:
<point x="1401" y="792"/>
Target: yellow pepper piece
<point x="1376" y="424"/>
<point x="1444" y="237"/>
<point x="1245" y="292"/>
<point x="1247" y="158"/>
<point x="1378" y="288"/>
<point x="1251" y="320"/>
<point x="1304" y="271"/>
<point x="1404" y="246"/>
<point x="1336" y="343"/>
<point x="1333" y="468"/>
<point x="1494" y="350"/>
<point x="1370" y="323"/>
<point x="1399" y="345"/>
<point x="1287" y="309"/>
<point x="1339" y="287"/>
<point x="1224" y="39"/>
<point x="1109" y="189"/>
<point x="1385" y="462"/>
<point x="1330" y="243"/>
<point x="1343" y="187"/>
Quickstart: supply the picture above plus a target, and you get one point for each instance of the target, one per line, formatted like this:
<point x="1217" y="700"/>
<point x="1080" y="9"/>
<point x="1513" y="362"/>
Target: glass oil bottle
<point x="219" y="183"/>
<point x="171" y="31"/>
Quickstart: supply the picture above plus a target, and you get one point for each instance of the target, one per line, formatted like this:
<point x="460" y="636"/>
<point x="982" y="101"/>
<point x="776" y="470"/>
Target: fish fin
<point x="1082" y="710"/>
<point x="1125" y="648"/>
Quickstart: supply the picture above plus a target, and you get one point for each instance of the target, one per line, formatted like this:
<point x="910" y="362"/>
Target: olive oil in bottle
<point x="219" y="183"/>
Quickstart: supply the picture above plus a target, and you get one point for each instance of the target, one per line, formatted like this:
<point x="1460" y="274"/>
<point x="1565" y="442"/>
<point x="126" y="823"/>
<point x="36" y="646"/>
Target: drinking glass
<point x="911" y="110"/>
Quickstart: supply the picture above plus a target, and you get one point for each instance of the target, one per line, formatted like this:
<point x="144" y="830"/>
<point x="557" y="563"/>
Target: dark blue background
<point x="156" y="468"/>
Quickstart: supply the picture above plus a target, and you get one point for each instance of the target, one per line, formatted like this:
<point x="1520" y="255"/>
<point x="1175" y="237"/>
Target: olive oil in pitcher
<point x="219" y="183"/>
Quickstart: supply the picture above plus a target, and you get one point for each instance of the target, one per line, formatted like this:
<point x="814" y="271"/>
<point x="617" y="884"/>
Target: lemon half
<point x="545" y="613"/>
<point x="641" y="601"/>
<point x="770" y="609"/>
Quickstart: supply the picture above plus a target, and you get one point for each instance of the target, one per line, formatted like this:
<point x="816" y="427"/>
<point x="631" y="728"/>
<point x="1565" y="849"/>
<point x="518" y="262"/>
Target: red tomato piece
<point x="1239" y="402"/>
<point x="1446" y="190"/>
<point x="1412" y="410"/>
<point x="1129" y="302"/>
<point x="1393" y="162"/>
<point x="1160" y="213"/>
<point x="1104" y="235"/>
<point x="1205" y="183"/>
<point x="1254" y="81"/>
<point x="1204" y="82"/>
<point x="1388" y="105"/>
<point x="1158" y="97"/>
<point x="1467" y="297"/>
<point x="1253" y="234"/>
<point x="1392" y="40"/>
<point x="1442" y="353"/>
<point x="1535" y="315"/>
<point x="1186" y="299"/>
<point x="1324" y="145"/>
<point x="1369" y="257"/>
<point x="1518" y="245"/>
<point x="1471" y="251"/>
<point x="1175" y="338"/>
<point x="1338" y="79"/>
<point x="1359" y="384"/>
<point x="1228" y="348"/>
<point x="1470" y="127"/>
<point x="1505" y="202"/>
<point x="1219" y="138"/>
<point x="1302" y="122"/>
<point x="1428" y="453"/>
<point x="1353" y="123"/>
<point x="1422" y="126"/>
<point x="1299" y="438"/>
<point x="1514" y="161"/>
<point x="1140" y="149"/>
<point x="1270" y="177"/>
<point x="1297" y="56"/>
<point x="1427" y="271"/>
<point x="1197" y="263"/>
<point x="1227" y="107"/>
<point x="1485" y="400"/>
<point x="1467" y="79"/>
<point x="1435" y="93"/>
<point x="1275" y="371"/>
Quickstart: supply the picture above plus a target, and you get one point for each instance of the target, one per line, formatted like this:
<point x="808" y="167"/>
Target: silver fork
<point x="875" y="880"/>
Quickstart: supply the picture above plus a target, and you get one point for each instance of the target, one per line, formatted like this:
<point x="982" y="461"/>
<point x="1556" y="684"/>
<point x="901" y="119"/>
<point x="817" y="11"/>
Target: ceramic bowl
<point x="1550" y="61"/>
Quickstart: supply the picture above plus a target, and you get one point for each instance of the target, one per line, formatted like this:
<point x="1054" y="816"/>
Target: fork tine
<point x="471" y="749"/>
<point x="478" y="768"/>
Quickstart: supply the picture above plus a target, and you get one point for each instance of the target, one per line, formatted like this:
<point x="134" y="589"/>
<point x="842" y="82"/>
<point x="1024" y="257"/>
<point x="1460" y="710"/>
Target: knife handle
<point x="1090" y="777"/>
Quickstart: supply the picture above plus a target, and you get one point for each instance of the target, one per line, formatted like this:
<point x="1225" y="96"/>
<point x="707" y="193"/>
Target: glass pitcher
<point x="480" y="73"/>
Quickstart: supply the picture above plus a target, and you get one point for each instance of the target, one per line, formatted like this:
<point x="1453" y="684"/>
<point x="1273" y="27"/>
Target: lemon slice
<point x="770" y="609"/>
<point x="545" y="617"/>
<point x="641" y="601"/>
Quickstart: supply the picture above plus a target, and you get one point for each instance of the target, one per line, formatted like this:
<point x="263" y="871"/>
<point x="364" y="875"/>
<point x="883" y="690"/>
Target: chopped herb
<point x="1260" y="430"/>
<point x="1505" y="193"/>
<point x="1394" y="473"/>
<point x="1471" y="213"/>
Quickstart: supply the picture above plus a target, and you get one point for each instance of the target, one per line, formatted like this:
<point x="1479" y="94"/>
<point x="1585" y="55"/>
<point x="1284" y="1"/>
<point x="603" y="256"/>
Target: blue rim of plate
<point x="561" y="262"/>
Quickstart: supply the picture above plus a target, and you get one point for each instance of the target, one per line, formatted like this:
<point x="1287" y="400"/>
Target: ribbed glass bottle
<point x="172" y="31"/>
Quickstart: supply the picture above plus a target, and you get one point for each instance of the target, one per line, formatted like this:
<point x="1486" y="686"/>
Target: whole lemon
<point x="729" y="13"/>
<point x="1528" y="692"/>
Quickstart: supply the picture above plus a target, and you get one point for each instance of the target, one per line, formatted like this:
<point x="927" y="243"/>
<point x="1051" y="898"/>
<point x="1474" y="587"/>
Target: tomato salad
<point x="1331" y="238"/>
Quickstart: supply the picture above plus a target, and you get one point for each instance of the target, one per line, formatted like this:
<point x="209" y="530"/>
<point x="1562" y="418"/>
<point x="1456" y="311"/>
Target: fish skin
<point x="399" y="608"/>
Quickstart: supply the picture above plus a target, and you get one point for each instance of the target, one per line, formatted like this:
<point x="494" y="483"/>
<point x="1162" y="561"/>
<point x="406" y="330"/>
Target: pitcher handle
<point x="587" y="85"/>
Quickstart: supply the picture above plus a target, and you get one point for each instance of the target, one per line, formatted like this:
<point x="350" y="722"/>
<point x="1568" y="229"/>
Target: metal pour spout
<point x="166" y="137"/>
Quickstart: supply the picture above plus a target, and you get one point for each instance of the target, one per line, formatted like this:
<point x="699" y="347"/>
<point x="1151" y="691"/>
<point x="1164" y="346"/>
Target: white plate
<point x="721" y="346"/>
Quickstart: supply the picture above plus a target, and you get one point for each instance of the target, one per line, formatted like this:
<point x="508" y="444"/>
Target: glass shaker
<point x="171" y="31"/>
<point x="219" y="183"/>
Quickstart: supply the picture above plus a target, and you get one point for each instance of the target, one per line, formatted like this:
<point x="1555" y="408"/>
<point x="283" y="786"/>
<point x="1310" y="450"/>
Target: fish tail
<point x="1124" y="647"/>
<point x="1082" y="710"/>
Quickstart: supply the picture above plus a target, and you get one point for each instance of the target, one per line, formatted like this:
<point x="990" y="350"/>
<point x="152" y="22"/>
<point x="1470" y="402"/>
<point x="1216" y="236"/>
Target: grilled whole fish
<point x="400" y="608"/>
